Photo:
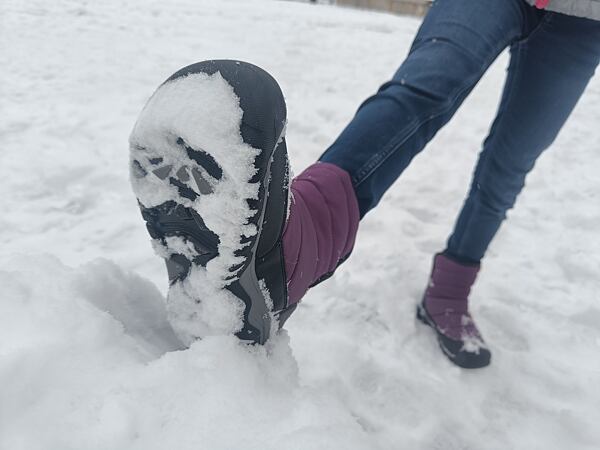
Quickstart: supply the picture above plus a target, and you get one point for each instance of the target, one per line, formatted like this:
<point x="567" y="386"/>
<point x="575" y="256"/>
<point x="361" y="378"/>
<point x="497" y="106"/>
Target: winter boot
<point x="209" y="167"/>
<point x="445" y="309"/>
<point x="321" y="229"/>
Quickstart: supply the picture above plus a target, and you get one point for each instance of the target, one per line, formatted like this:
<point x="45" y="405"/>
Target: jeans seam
<point x="546" y="19"/>
<point x="378" y="158"/>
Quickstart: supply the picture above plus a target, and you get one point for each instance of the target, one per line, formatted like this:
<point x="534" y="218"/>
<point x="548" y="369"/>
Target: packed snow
<point x="87" y="357"/>
<point x="205" y="112"/>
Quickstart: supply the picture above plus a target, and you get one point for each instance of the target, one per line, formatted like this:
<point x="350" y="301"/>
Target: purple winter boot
<point x="321" y="227"/>
<point x="210" y="170"/>
<point x="445" y="309"/>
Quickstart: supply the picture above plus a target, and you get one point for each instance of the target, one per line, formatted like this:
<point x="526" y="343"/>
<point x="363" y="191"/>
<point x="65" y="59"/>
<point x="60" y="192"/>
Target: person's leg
<point x="456" y="43"/>
<point x="547" y="75"/>
<point x="209" y="168"/>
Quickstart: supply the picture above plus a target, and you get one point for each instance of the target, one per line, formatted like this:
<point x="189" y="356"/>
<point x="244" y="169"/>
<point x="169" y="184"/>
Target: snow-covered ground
<point x="87" y="359"/>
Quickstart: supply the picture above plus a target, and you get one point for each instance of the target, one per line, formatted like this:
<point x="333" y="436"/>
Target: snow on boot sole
<point x="209" y="166"/>
<point x="454" y="349"/>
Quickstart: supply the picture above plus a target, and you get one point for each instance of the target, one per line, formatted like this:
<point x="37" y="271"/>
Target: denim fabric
<point x="553" y="56"/>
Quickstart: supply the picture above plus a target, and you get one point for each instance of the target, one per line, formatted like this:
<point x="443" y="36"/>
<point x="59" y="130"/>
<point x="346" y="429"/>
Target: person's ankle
<point x="464" y="260"/>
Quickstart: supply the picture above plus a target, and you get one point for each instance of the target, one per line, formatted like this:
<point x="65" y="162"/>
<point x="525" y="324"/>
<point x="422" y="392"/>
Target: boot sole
<point x="179" y="228"/>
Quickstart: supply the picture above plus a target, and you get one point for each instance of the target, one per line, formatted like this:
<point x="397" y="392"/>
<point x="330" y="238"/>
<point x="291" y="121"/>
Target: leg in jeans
<point x="548" y="73"/>
<point x="553" y="58"/>
<point x="456" y="43"/>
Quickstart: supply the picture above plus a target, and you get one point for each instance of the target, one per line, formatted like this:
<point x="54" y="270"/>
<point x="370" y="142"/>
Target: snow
<point x="204" y="111"/>
<point x="87" y="359"/>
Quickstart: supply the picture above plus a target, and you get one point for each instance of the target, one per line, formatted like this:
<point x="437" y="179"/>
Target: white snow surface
<point x="87" y="358"/>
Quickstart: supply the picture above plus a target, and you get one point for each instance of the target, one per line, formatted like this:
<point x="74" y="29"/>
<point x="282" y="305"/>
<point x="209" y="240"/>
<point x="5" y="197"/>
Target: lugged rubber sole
<point x="174" y="180"/>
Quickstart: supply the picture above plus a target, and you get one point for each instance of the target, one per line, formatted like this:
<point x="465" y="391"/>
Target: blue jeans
<point x="553" y="56"/>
